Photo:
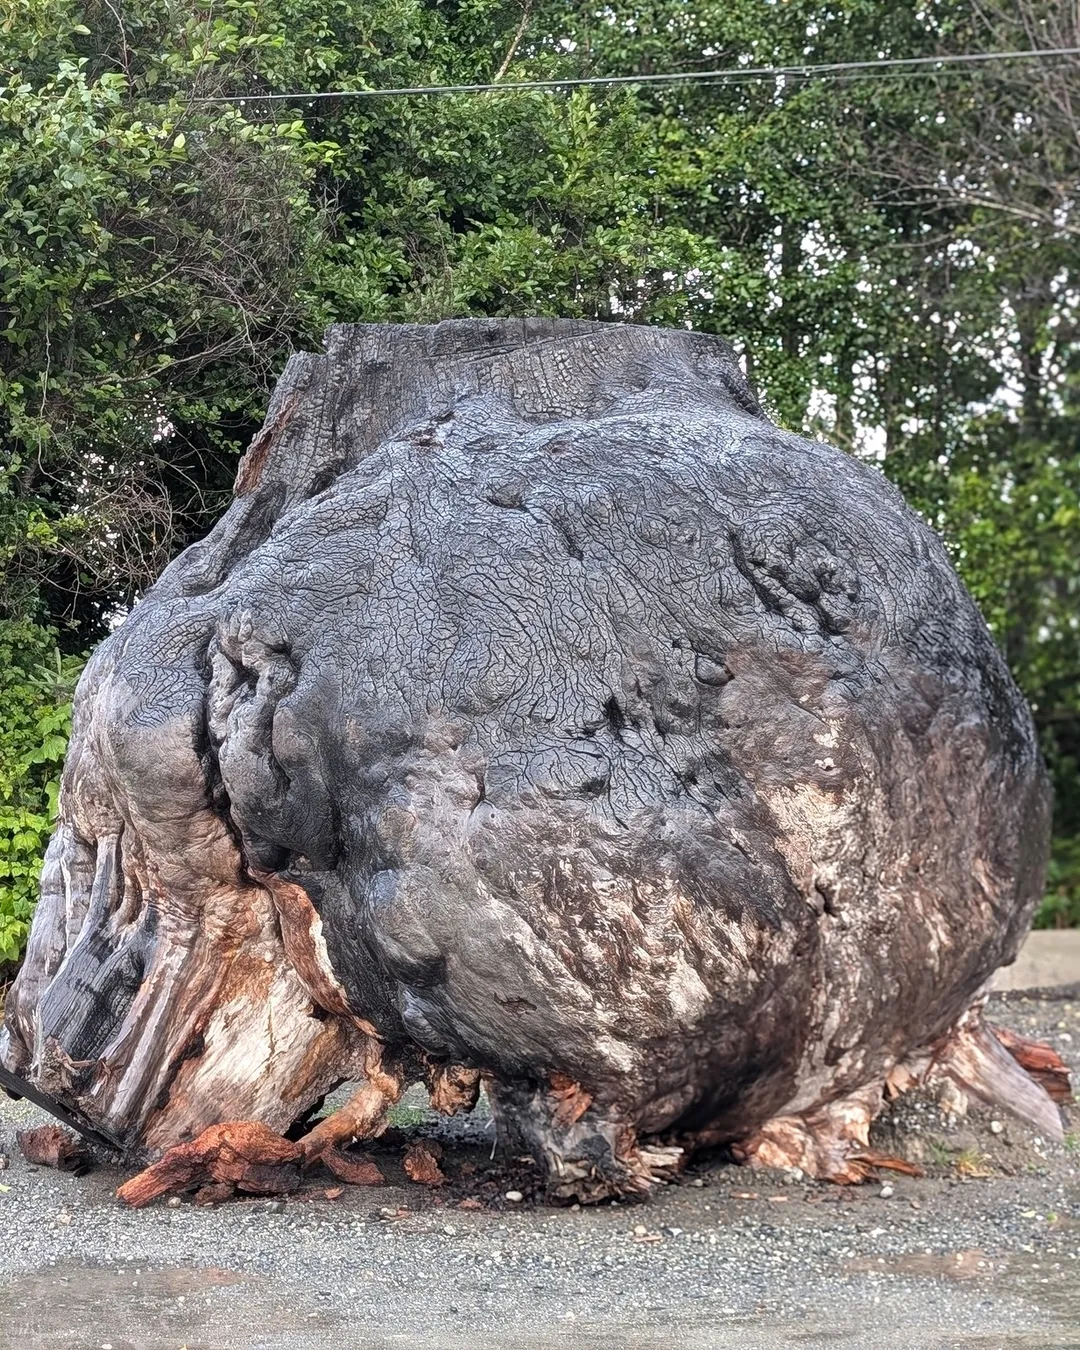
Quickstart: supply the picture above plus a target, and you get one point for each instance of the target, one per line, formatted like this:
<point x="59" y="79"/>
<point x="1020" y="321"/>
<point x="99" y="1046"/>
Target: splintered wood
<point x="245" y="1156"/>
<point x="569" y="1101"/>
<point x="872" y="1158"/>
<point x="1039" y="1061"/>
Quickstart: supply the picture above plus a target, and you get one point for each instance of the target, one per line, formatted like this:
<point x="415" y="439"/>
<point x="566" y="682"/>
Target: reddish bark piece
<point x="251" y="466"/>
<point x="888" y="1162"/>
<point x="1038" y="1059"/>
<point x="52" y="1146"/>
<point x="422" y="1163"/>
<point x="569" y="1101"/>
<point x="453" y="1088"/>
<point x="243" y="1154"/>
<point x="334" y="1192"/>
<point x="356" y="1169"/>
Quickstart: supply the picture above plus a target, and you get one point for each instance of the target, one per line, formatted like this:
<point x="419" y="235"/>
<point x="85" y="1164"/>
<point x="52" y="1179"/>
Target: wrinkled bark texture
<point x="540" y="711"/>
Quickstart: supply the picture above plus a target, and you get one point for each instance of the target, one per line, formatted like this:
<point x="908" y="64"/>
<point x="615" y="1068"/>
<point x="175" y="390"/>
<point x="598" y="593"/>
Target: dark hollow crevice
<point x="615" y="717"/>
<point x="572" y="547"/>
<point x="506" y="502"/>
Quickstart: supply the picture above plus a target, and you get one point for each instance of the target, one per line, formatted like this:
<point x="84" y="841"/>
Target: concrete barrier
<point x="1048" y="959"/>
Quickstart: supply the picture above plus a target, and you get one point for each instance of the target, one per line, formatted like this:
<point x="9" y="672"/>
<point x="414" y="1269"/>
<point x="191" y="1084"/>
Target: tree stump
<point x="539" y="710"/>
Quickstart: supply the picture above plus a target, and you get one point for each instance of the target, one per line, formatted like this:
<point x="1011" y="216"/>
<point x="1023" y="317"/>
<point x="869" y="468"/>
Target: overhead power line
<point x="732" y="75"/>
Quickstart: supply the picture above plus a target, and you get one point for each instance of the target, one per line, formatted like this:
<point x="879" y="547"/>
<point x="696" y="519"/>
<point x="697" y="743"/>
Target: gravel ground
<point x="985" y="1251"/>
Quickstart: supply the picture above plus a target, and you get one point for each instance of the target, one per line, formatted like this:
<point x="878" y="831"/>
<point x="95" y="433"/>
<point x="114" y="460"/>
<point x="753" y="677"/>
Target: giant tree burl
<point x="539" y="711"/>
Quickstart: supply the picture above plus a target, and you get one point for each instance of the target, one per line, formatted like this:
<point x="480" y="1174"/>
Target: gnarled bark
<point x="539" y="711"/>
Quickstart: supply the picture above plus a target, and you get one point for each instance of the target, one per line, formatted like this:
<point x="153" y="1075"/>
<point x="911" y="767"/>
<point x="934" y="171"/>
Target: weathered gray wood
<point x="539" y="709"/>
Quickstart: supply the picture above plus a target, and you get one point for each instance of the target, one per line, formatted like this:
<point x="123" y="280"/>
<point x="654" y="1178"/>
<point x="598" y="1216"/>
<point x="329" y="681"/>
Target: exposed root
<point x="240" y="1154"/>
<point x="585" y="1155"/>
<point x="1021" y="1076"/>
<point x="830" y="1143"/>
<point x="975" y="1058"/>
<point x="362" y="1117"/>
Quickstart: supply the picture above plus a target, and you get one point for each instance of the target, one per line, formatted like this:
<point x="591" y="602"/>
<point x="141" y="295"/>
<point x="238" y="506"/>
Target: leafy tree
<point x="151" y="259"/>
<point x="992" y="168"/>
<point x="162" y="254"/>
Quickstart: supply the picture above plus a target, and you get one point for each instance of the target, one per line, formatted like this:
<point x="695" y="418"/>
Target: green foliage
<point x="150" y="254"/>
<point x="36" y="687"/>
<point x="1061" y="908"/>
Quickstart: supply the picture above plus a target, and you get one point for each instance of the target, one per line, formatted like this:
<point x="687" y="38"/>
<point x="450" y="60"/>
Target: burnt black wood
<point x="17" y="1088"/>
